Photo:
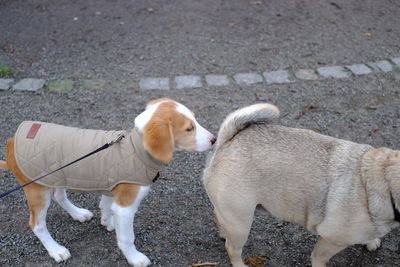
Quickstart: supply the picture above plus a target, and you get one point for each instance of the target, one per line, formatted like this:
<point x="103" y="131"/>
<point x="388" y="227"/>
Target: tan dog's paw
<point x="374" y="244"/>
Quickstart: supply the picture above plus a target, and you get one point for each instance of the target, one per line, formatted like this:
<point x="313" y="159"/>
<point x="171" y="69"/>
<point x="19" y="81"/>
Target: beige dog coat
<point x="43" y="147"/>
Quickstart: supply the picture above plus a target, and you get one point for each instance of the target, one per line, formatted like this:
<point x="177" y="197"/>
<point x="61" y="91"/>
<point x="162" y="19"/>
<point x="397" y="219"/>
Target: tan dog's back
<point x="276" y="166"/>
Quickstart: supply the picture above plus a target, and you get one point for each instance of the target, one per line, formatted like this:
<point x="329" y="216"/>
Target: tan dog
<point x="162" y="127"/>
<point x="347" y="193"/>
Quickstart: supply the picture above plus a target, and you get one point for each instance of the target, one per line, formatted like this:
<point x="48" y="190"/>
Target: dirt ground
<point x="174" y="225"/>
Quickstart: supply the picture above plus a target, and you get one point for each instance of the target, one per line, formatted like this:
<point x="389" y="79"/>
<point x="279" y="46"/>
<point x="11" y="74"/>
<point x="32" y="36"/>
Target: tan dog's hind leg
<point x="234" y="217"/>
<point x="323" y="251"/>
<point x="38" y="198"/>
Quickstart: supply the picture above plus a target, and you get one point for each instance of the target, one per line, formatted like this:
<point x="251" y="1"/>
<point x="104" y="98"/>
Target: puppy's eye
<point x="191" y="128"/>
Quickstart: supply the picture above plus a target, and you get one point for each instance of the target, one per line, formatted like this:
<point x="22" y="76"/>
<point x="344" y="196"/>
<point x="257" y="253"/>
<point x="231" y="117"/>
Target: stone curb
<point x="6" y="84"/>
<point x="154" y="83"/>
<point x="337" y="72"/>
<point x="213" y="80"/>
<point x="306" y="74"/>
<point x="188" y="81"/>
<point x="29" y="84"/>
<point x="248" y="78"/>
<point x="382" y="65"/>
<point x="217" y="80"/>
<point x="60" y="86"/>
<point x="278" y="76"/>
<point x="359" y="69"/>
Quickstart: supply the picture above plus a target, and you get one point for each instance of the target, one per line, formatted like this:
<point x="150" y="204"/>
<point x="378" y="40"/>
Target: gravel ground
<point x="174" y="226"/>
<point x="120" y="40"/>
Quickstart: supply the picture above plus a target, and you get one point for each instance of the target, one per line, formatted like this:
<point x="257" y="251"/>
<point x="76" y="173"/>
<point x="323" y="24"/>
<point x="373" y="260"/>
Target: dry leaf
<point x="368" y="34"/>
<point x="256" y="261"/>
<point x="231" y="24"/>
<point x="165" y="36"/>
<point x="9" y="48"/>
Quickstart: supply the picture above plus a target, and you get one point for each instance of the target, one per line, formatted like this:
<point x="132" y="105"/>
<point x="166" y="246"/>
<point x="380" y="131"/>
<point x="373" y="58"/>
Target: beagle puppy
<point x="163" y="126"/>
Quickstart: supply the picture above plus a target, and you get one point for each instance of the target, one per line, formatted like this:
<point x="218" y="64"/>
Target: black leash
<point x="105" y="146"/>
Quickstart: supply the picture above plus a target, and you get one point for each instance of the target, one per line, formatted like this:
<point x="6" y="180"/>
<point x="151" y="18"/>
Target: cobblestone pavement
<point x="213" y="80"/>
<point x="330" y="66"/>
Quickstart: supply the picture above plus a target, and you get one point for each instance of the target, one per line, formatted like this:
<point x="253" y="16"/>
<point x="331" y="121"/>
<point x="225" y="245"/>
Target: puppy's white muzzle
<point x="204" y="139"/>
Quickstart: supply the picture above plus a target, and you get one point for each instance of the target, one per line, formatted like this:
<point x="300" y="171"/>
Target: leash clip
<point x="116" y="140"/>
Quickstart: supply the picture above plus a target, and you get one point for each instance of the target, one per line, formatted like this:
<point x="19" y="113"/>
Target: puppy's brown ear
<point x="158" y="140"/>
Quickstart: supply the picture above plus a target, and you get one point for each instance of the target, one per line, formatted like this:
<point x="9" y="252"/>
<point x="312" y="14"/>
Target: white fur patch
<point x="107" y="219"/>
<point x="237" y="120"/>
<point x="123" y="221"/>
<point x="143" y="118"/>
<point x="78" y="214"/>
<point x="203" y="137"/>
<point x="55" y="250"/>
<point x="246" y="111"/>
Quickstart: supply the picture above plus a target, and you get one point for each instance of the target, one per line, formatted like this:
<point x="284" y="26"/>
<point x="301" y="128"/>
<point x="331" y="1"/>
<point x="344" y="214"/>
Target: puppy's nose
<point x="213" y="140"/>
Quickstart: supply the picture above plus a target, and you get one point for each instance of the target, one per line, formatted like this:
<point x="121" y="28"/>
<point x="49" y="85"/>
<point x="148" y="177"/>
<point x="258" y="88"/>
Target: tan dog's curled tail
<point x="4" y="165"/>
<point x="241" y="118"/>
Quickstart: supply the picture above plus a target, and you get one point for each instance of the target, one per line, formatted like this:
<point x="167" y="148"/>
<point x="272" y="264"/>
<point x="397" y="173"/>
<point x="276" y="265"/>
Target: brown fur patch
<point x="158" y="140"/>
<point x="35" y="193"/>
<point x="125" y="194"/>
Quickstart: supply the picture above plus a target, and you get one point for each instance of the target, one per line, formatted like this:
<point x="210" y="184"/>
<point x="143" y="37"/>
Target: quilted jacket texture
<point x="42" y="147"/>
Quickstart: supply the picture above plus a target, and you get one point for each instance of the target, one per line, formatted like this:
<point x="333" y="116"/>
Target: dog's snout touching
<point x="213" y="140"/>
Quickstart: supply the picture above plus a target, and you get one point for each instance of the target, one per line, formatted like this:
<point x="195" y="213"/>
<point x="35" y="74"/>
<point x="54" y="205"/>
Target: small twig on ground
<point x="204" y="264"/>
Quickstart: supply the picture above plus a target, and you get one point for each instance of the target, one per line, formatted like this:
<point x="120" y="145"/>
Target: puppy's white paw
<point x="59" y="253"/>
<point x="108" y="223"/>
<point x="82" y="215"/>
<point x="374" y="244"/>
<point x="138" y="259"/>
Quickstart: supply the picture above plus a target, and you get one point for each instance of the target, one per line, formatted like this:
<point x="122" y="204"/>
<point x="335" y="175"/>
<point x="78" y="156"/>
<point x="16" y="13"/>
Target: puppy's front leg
<point x="126" y="202"/>
<point x="107" y="218"/>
